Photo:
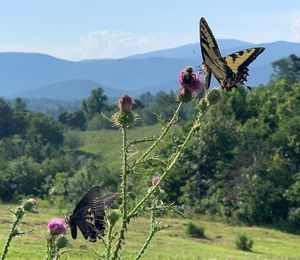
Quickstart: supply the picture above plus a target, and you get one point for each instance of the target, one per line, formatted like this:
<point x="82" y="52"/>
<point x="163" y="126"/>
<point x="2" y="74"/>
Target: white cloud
<point x="94" y="45"/>
<point x="114" y="44"/>
<point x="10" y="47"/>
<point x="295" y="28"/>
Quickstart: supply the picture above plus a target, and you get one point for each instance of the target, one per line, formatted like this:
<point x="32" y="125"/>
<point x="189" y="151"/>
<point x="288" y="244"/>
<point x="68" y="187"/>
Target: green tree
<point x="21" y="177"/>
<point x="287" y="69"/>
<point x="44" y="129"/>
<point x="7" y="122"/>
<point x="147" y="98"/>
<point x="95" y="103"/>
<point x="73" y="120"/>
<point x="20" y="115"/>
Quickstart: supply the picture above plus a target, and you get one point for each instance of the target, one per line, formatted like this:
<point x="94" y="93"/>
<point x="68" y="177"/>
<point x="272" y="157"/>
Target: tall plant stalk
<point x="28" y="206"/>
<point x="124" y="194"/>
<point x="12" y="233"/>
<point x="125" y="117"/>
<point x="153" y="230"/>
<point x="109" y="242"/>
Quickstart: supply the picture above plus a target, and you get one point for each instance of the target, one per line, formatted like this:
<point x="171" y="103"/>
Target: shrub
<point x="72" y="140"/>
<point x="194" y="231"/>
<point x="243" y="242"/>
<point x="294" y="220"/>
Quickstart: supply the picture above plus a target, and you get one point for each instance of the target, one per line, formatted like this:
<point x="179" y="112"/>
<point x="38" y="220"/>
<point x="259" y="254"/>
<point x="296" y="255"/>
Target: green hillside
<point x="106" y="144"/>
<point x="219" y="244"/>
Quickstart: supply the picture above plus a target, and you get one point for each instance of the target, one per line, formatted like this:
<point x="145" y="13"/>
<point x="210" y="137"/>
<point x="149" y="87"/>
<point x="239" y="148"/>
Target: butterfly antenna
<point x="196" y="53"/>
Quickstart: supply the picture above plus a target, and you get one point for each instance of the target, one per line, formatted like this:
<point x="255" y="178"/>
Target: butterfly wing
<point x="99" y="209"/>
<point x="89" y="213"/>
<point x="86" y="224"/>
<point x="211" y="55"/>
<point x="231" y="70"/>
<point x="239" y="61"/>
<point x="207" y="73"/>
<point x="92" y="196"/>
<point x="82" y="216"/>
<point x="73" y="228"/>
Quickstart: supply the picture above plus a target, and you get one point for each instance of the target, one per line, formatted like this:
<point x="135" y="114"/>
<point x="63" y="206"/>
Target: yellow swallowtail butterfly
<point x="230" y="71"/>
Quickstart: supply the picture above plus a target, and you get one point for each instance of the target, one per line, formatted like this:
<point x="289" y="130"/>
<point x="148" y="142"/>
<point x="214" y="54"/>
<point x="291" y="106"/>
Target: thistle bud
<point x="202" y="104"/>
<point x="20" y="212"/>
<point x="30" y="205"/>
<point x="125" y="103"/>
<point x="112" y="216"/>
<point x="213" y="96"/>
<point x="185" y="95"/>
<point x="125" y="116"/>
<point x="155" y="180"/>
<point x="62" y="242"/>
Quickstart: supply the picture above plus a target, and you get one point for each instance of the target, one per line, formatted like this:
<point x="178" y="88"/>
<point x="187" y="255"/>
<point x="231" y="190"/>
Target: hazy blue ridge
<point x="34" y="75"/>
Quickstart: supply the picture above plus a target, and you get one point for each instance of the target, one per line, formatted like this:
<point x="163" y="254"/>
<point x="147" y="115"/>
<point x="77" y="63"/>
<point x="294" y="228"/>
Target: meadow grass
<point x="106" y="145"/>
<point x="172" y="243"/>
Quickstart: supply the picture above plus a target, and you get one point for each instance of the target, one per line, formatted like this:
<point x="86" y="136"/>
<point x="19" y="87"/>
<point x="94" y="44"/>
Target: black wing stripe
<point x="239" y="62"/>
<point x="211" y="54"/>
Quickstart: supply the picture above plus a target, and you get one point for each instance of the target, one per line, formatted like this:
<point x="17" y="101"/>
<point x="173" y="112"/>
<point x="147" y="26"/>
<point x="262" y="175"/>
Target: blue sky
<point x="75" y="30"/>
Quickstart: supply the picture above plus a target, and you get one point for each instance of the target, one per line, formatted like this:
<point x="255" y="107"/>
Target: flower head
<point x="57" y="226"/>
<point x="30" y="206"/>
<point x="125" y="116"/>
<point x="185" y="95"/>
<point x="213" y="96"/>
<point x="202" y="104"/>
<point x="112" y="216"/>
<point x="155" y="180"/>
<point x="190" y="80"/>
<point x="62" y="242"/>
<point x="125" y="103"/>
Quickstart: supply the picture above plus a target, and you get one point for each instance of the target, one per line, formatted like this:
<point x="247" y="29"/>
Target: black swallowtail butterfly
<point x="89" y="214"/>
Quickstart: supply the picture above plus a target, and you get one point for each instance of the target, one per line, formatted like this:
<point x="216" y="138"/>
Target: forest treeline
<point x="243" y="165"/>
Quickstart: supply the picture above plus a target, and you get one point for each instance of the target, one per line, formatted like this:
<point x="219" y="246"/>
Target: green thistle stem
<point x="124" y="174"/>
<point x="167" y="170"/>
<point x="13" y="233"/>
<point x="109" y="238"/>
<point x="163" y="133"/>
<point x="152" y="232"/>
<point x="51" y="248"/>
<point x="124" y="196"/>
<point x="151" y="235"/>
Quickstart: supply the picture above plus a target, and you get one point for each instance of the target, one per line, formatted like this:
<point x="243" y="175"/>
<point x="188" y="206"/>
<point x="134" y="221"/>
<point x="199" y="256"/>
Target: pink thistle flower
<point x="155" y="180"/>
<point x="190" y="80"/>
<point x="57" y="226"/>
<point x="125" y="103"/>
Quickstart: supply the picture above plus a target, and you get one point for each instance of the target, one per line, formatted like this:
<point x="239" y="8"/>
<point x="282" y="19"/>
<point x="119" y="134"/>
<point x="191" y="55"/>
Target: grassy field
<point x="169" y="244"/>
<point x="172" y="243"/>
<point x="106" y="144"/>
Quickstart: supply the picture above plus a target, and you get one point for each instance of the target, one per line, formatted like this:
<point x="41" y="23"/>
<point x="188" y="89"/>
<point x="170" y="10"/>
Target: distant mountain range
<point x="39" y="75"/>
<point x="75" y="89"/>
